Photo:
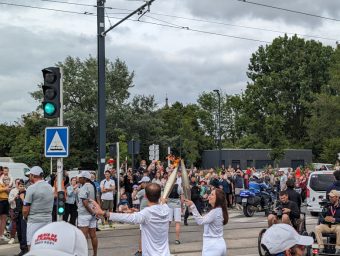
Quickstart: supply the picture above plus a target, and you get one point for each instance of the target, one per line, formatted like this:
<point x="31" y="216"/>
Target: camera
<point x="279" y="210"/>
<point x="325" y="203"/>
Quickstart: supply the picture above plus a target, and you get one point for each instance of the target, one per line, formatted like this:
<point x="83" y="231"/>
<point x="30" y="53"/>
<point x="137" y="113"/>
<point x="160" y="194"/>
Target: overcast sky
<point x="177" y="62"/>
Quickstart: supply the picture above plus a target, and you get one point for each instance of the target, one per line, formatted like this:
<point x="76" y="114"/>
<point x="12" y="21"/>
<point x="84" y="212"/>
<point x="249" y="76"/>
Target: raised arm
<point x="132" y="218"/>
<point x="201" y="220"/>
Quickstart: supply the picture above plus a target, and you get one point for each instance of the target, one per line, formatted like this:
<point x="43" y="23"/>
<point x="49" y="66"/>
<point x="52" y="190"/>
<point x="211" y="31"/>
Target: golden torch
<point x="185" y="182"/>
<point x="172" y="178"/>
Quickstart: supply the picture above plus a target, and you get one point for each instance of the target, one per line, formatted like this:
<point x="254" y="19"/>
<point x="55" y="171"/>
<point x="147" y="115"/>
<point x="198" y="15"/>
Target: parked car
<point x="16" y="170"/>
<point x="317" y="185"/>
<point x="323" y="167"/>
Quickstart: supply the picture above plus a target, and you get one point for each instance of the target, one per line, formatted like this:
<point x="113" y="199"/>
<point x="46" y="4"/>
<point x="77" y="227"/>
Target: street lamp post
<point x="219" y="129"/>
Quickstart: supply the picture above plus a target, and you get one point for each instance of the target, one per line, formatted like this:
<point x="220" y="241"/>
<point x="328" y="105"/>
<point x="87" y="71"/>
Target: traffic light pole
<point x="60" y="164"/>
<point x="101" y="87"/>
<point x="118" y="175"/>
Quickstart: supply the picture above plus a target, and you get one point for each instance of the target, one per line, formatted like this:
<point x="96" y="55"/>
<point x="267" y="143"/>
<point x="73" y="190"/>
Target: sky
<point x="169" y="58"/>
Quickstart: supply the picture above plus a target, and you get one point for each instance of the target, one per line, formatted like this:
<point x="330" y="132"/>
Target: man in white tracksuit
<point x="153" y="220"/>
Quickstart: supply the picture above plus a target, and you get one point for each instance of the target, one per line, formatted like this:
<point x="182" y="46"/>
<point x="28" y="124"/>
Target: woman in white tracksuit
<point x="213" y="241"/>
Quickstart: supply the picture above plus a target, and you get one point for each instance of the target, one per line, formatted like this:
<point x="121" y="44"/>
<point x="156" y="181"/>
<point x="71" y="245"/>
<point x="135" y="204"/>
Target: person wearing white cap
<point x="38" y="203"/>
<point x="330" y="221"/>
<point x="87" y="221"/>
<point x="58" y="239"/>
<point x="283" y="240"/>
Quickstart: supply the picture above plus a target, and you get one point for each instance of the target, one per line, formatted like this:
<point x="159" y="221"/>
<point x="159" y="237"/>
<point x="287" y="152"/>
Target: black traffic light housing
<point x="61" y="203"/>
<point x="51" y="91"/>
<point x="113" y="150"/>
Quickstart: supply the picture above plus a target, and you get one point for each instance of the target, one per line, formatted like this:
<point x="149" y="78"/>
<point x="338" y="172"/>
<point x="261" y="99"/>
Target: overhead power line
<point x="147" y="22"/>
<point x="289" y="10"/>
<point x="212" y="21"/>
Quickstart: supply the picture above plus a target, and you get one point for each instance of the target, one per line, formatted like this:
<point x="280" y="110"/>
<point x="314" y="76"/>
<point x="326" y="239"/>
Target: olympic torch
<point x="170" y="183"/>
<point x="185" y="182"/>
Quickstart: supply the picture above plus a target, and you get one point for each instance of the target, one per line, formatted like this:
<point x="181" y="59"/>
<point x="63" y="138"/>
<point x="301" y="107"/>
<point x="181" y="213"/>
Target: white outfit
<point x="87" y="221"/>
<point x="31" y="229"/>
<point x="213" y="241"/>
<point x="154" y="226"/>
<point x="108" y="184"/>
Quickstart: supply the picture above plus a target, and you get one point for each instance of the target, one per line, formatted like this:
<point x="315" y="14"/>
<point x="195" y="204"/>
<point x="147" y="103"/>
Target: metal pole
<point x="219" y="130"/>
<point x="60" y="164"/>
<point x="101" y="86"/>
<point x="169" y="152"/>
<point x="51" y="166"/>
<point x="118" y="176"/>
<point x="133" y="155"/>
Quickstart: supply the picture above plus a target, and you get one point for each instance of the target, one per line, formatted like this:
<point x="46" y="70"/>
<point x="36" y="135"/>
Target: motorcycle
<point x="258" y="198"/>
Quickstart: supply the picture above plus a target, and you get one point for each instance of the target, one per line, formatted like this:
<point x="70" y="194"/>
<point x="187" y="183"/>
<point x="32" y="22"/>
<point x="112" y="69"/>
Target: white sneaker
<point x="4" y="238"/>
<point x="11" y="241"/>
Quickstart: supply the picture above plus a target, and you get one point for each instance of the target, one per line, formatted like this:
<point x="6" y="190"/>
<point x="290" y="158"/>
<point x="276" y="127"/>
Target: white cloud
<point x="179" y="63"/>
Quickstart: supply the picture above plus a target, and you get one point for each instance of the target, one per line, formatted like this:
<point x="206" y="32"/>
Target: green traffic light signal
<point x="51" y="92"/>
<point x="49" y="109"/>
<point x="61" y="210"/>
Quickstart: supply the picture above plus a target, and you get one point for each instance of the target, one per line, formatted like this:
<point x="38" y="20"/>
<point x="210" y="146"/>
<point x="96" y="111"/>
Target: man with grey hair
<point x="38" y="203"/>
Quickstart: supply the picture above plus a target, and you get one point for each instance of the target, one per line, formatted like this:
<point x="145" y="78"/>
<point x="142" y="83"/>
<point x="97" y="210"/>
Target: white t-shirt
<point x="110" y="184"/>
<point x="154" y="223"/>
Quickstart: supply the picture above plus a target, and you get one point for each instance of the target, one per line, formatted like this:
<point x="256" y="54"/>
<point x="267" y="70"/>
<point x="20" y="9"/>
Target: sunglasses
<point x="301" y="247"/>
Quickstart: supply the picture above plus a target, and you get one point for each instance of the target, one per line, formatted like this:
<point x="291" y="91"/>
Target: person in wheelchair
<point x="283" y="240"/>
<point x="286" y="211"/>
<point x="330" y="221"/>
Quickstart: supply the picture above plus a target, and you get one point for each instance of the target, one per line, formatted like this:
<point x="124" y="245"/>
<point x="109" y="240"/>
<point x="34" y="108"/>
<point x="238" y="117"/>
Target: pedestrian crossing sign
<point x="56" y="142"/>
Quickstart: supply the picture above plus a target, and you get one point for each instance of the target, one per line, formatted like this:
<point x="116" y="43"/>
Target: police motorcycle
<point x="260" y="197"/>
<point x="330" y="244"/>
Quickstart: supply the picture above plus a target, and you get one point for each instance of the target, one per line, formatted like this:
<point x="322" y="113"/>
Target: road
<point x="241" y="234"/>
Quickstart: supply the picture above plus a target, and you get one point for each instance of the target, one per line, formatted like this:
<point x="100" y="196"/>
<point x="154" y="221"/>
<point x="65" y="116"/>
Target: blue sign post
<point x="56" y="141"/>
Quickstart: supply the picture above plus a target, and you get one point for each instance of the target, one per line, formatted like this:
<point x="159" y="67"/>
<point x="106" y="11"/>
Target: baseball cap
<point x="281" y="237"/>
<point x="58" y="238"/>
<point x="135" y="186"/>
<point x="85" y="174"/>
<point x="334" y="193"/>
<point x="35" y="170"/>
<point x="144" y="179"/>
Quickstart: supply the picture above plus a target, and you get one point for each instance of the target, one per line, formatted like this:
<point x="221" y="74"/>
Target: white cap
<point x="281" y="237"/>
<point x="84" y="174"/>
<point x="35" y="170"/>
<point x="58" y="238"/>
<point x="144" y="179"/>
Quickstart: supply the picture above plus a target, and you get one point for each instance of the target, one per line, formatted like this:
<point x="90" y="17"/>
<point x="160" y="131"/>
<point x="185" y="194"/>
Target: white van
<point x="16" y="170"/>
<point x="317" y="185"/>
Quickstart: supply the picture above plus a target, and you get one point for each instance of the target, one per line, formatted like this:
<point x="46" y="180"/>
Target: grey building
<point x="258" y="158"/>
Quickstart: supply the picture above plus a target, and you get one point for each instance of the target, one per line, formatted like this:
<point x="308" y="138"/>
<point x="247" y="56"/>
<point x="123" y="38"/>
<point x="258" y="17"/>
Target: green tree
<point x="285" y="78"/>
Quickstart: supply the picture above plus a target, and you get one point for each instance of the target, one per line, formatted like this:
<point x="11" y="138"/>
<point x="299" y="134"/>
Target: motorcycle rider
<point x="290" y="211"/>
<point x="283" y="240"/>
<point x="330" y="221"/>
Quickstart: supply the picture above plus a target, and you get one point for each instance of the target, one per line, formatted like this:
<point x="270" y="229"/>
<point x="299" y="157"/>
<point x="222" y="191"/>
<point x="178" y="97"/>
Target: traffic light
<point x="51" y="91"/>
<point x="113" y="150"/>
<point x="61" y="203"/>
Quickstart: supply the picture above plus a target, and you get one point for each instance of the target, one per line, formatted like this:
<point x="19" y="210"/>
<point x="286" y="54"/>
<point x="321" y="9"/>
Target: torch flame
<point x="174" y="161"/>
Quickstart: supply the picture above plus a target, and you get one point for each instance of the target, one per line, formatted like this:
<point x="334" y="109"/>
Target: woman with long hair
<point x="213" y="241"/>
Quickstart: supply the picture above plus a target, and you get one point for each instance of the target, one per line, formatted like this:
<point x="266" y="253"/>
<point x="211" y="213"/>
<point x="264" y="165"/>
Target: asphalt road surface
<point x="241" y="234"/>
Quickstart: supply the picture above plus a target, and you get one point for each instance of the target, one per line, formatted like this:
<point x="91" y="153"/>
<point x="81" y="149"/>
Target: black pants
<point x="198" y="204"/>
<point x="71" y="210"/>
<point x="21" y="231"/>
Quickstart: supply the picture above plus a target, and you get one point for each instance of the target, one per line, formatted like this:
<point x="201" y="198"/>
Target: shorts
<point x="4" y="207"/>
<point x="107" y="205"/>
<point x="87" y="221"/>
<point x="175" y="214"/>
<point x="32" y="228"/>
